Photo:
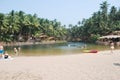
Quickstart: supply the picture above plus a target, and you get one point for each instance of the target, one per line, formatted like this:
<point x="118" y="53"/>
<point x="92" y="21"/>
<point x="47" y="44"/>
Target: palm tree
<point x="1" y="25"/>
<point x="21" y="22"/>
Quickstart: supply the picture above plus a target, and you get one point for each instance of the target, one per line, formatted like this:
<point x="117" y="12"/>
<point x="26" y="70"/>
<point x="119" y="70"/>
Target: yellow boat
<point x="86" y="51"/>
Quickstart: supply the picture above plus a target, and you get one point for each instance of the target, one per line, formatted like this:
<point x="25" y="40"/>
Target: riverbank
<point x="101" y="66"/>
<point x="30" y="43"/>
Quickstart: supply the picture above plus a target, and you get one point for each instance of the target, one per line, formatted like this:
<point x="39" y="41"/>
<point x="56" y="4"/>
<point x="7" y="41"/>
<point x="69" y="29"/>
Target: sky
<point x="65" y="11"/>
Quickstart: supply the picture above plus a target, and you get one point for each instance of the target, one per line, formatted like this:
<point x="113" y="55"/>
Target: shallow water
<point x="54" y="49"/>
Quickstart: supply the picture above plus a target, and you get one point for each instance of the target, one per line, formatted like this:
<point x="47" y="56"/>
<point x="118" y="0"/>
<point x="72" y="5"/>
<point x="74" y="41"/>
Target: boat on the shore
<point x="90" y="51"/>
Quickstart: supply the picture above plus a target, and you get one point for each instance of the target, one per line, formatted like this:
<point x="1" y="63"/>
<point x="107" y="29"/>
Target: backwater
<point x="54" y="49"/>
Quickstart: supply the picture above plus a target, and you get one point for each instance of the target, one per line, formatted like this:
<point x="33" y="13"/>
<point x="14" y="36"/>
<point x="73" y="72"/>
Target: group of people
<point x="4" y="54"/>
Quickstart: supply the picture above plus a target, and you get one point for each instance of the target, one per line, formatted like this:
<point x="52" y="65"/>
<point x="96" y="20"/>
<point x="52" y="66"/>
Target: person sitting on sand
<point x="6" y="56"/>
<point x="1" y="51"/>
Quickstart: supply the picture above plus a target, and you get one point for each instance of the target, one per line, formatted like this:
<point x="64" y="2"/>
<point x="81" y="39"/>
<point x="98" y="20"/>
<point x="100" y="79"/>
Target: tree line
<point x="15" y="25"/>
<point x="103" y="22"/>
<point x="18" y="25"/>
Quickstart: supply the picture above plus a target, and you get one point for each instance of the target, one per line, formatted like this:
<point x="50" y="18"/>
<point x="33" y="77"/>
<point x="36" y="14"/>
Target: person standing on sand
<point x="19" y="50"/>
<point x="16" y="51"/>
<point x="112" y="46"/>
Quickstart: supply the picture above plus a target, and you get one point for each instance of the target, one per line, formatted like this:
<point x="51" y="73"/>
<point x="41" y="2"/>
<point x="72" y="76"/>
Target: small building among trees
<point x="105" y="40"/>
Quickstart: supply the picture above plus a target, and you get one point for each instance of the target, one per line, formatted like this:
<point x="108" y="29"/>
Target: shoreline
<point x="101" y="66"/>
<point x="30" y="43"/>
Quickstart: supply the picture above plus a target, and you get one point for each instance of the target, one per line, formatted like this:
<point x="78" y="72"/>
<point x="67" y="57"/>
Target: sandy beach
<point x="89" y="66"/>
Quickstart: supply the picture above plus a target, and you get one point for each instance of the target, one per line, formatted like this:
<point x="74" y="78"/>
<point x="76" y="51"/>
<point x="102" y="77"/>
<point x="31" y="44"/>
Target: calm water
<point x="54" y="49"/>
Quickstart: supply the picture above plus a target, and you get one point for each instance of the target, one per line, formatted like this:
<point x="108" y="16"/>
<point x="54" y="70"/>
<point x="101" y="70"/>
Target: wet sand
<point x="89" y="66"/>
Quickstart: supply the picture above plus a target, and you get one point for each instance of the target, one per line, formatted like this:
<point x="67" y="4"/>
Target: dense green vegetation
<point x="18" y="25"/>
<point x="15" y="26"/>
<point x="102" y="22"/>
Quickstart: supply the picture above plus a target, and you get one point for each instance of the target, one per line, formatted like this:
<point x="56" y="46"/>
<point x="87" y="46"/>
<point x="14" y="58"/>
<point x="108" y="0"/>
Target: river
<point x="53" y="49"/>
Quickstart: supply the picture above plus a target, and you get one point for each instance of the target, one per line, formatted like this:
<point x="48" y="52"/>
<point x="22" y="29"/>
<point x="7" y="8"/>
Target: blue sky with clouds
<point x="65" y="11"/>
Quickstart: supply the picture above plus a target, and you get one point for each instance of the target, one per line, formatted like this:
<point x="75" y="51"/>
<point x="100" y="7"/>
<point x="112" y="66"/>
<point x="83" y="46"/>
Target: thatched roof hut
<point x="110" y="36"/>
<point x="51" y="38"/>
<point x="43" y="37"/>
<point x="105" y="40"/>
